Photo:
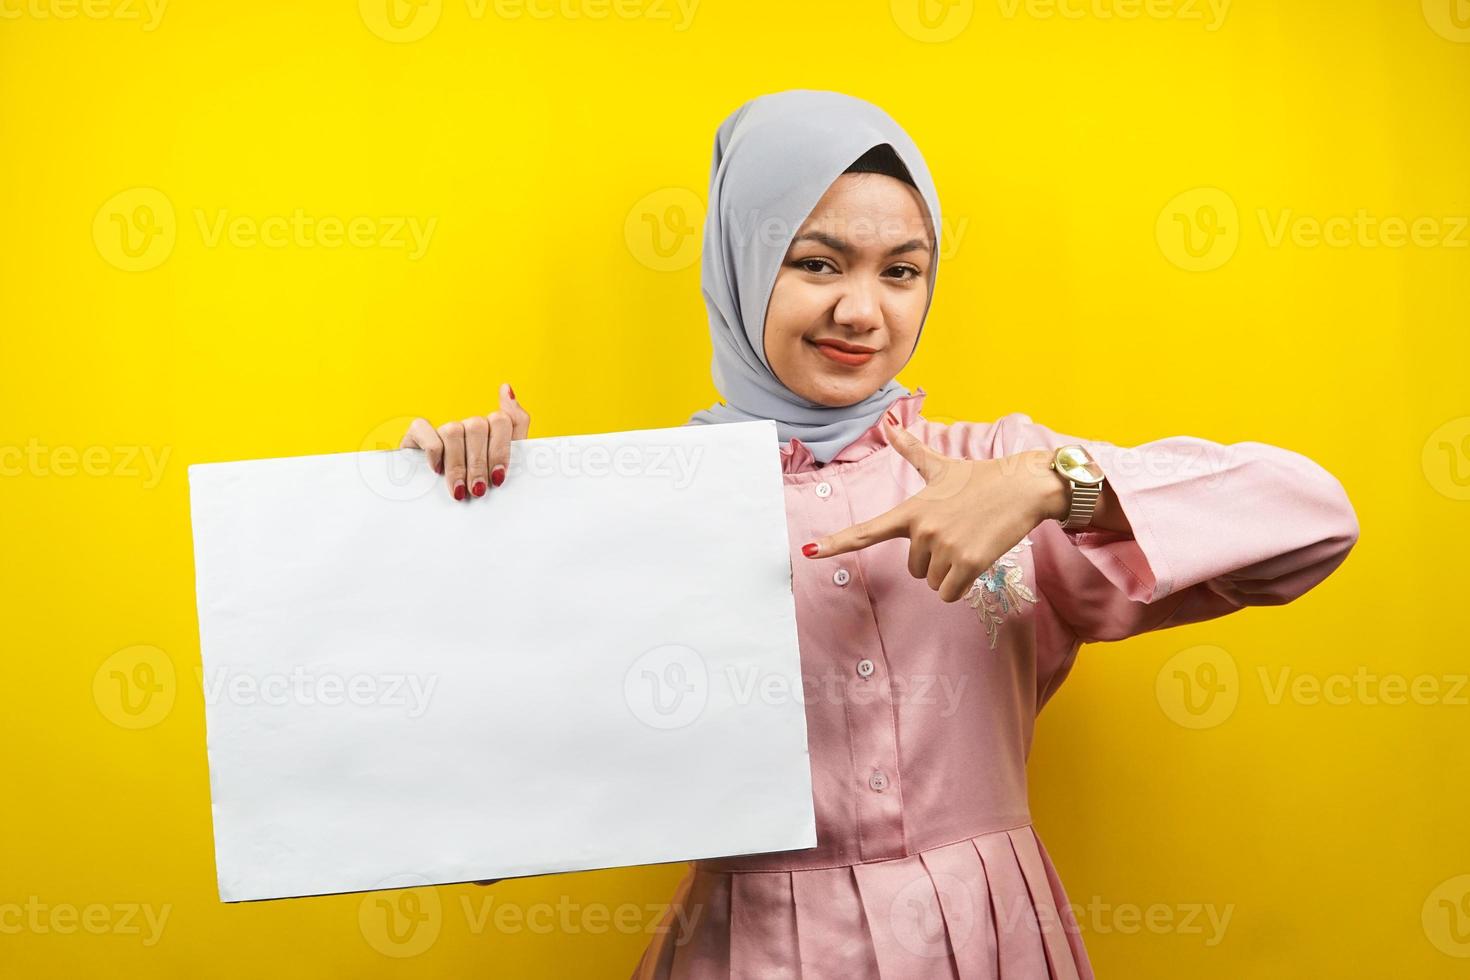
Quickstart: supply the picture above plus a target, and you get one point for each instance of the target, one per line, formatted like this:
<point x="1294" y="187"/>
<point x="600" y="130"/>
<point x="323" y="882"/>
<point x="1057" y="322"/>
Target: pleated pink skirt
<point x="986" y="908"/>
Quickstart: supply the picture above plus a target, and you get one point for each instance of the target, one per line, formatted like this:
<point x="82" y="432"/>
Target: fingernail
<point x="809" y="549"/>
<point x="510" y="391"/>
<point x="479" y="488"/>
<point x="439" y="467"/>
<point x="892" y="419"/>
<point x="497" y="475"/>
<point x="459" y="491"/>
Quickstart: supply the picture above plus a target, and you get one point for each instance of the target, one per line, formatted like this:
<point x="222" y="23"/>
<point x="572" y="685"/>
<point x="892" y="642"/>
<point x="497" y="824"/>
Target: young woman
<point x="820" y="257"/>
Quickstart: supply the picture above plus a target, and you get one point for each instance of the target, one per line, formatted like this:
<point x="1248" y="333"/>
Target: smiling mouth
<point x="849" y="354"/>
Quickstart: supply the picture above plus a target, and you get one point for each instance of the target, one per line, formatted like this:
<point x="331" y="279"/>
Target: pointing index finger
<point x="893" y="524"/>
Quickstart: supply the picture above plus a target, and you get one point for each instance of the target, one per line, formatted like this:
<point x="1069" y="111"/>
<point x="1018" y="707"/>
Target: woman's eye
<point x="903" y="273"/>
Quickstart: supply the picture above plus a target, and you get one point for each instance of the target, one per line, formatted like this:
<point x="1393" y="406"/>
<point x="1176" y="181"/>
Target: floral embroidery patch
<point x="1000" y="590"/>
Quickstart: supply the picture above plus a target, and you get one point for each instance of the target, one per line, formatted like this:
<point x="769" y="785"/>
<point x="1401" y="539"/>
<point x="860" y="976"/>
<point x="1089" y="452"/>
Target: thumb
<point x="893" y="524"/>
<point x="520" y="419"/>
<point x="929" y="462"/>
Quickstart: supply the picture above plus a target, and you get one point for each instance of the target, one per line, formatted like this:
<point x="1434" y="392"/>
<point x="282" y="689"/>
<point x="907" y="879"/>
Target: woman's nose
<point x="859" y="306"/>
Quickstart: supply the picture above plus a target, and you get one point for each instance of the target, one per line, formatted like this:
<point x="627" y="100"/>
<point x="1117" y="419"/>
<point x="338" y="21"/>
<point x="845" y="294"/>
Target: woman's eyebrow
<point x="837" y="244"/>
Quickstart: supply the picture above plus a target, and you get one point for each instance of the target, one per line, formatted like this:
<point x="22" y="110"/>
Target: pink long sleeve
<point x="1215" y="527"/>
<point x="921" y="802"/>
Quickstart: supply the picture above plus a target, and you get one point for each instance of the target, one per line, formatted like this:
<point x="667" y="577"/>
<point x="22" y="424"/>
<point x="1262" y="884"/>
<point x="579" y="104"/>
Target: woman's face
<point x="850" y="296"/>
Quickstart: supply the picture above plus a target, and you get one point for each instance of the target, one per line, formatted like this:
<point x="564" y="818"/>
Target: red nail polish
<point x="479" y="488"/>
<point x="497" y="475"/>
<point x="459" y="491"/>
<point x="891" y="417"/>
<point x="809" y="549"/>
<point x="510" y="391"/>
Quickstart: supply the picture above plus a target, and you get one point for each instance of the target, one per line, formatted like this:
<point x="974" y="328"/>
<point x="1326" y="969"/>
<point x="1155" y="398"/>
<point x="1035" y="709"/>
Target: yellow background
<point x="1073" y="147"/>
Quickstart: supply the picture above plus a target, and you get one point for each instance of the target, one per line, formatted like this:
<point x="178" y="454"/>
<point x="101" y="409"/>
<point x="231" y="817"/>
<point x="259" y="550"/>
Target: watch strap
<point x="1084" y="503"/>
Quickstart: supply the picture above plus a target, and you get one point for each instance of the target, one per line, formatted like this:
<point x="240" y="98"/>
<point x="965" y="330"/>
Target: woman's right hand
<point x="472" y="455"/>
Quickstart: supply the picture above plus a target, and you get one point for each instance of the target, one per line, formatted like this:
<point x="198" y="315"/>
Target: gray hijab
<point x="774" y="158"/>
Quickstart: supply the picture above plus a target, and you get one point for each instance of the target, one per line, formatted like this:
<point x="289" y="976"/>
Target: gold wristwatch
<point x="1075" y="465"/>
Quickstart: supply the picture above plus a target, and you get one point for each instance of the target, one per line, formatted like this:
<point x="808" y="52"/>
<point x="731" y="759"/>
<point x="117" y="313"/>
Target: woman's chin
<point x="838" y="391"/>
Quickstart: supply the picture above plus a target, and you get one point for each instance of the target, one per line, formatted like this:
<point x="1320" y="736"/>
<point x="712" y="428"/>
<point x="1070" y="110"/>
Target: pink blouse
<point x="920" y="712"/>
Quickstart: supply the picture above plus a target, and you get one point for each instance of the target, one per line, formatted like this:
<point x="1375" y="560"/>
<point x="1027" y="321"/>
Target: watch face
<point x="1076" y="463"/>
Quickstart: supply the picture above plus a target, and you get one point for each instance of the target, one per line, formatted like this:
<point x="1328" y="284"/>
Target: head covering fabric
<point x="774" y="158"/>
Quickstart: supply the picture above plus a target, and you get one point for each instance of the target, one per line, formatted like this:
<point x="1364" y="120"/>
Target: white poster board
<point x="592" y="666"/>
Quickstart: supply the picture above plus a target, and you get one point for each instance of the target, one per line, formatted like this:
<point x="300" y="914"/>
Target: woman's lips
<point x="844" y="354"/>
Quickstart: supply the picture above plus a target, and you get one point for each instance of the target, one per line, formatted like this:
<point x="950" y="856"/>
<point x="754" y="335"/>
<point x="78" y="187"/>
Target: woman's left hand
<point x="969" y="513"/>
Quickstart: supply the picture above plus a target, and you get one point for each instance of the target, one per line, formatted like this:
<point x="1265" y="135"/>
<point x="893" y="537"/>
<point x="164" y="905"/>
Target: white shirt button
<point x="841" y="576"/>
<point x="824" y="489"/>
<point x="865" y="667"/>
<point x="878" y="781"/>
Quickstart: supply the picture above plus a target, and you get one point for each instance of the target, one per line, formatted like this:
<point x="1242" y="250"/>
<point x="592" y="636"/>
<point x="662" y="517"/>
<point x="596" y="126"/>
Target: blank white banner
<point x="592" y="666"/>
